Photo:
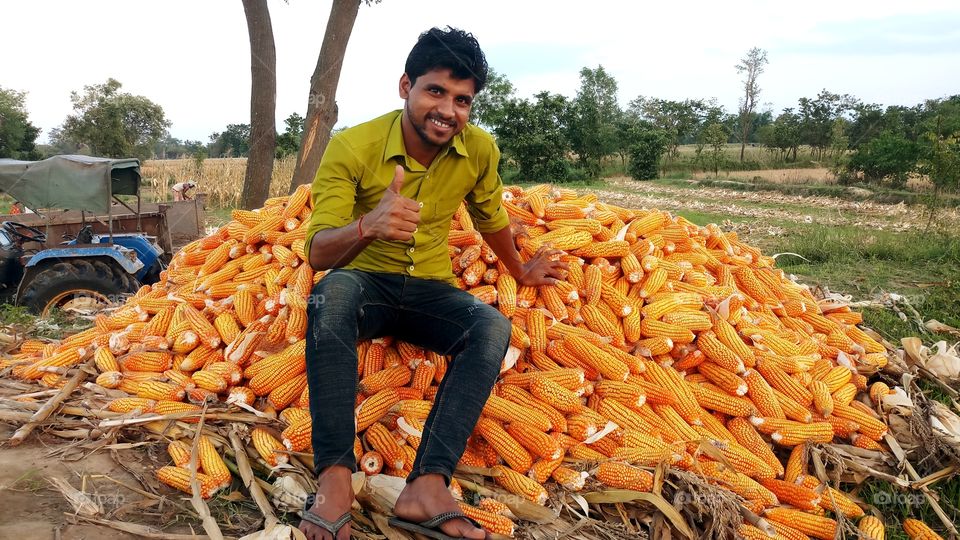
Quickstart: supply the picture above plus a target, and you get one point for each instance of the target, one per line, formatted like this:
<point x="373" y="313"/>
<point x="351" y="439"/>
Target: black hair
<point x="451" y="49"/>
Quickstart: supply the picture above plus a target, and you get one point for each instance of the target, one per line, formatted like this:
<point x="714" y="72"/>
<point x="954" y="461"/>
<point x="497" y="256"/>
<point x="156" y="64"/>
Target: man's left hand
<point x="541" y="269"/>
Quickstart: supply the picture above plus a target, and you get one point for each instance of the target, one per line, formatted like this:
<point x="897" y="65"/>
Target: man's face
<point x="437" y="105"/>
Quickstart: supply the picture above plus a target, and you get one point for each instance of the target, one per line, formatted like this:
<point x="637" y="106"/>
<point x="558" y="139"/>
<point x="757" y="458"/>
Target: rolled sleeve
<point x="334" y="190"/>
<point x="486" y="198"/>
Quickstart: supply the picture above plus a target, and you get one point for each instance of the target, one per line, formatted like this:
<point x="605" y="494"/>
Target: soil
<point x="33" y="509"/>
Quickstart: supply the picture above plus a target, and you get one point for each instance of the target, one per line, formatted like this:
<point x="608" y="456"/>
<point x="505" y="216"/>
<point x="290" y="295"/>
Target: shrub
<point x="645" y="154"/>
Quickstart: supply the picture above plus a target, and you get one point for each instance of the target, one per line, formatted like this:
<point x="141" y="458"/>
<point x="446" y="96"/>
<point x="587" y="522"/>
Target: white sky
<point x="192" y="57"/>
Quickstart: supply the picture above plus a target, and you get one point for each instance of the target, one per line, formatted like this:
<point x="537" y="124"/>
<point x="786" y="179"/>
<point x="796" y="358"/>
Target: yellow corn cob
<point x="512" y="452"/>
<point x="288" y="392"/>
<point x="180" y="453"/>
<point x="798" y="496"/>
<point x="506" y="294"/>
<point x="212" y="463"/>
<point x="380" y="439"/>
<point x="554" y="394"/>
<point x="492" y="523"/>
<point x="624" y="476"/>
<point x="179" y="478"/>
<point x="156" y="361"/>
<point x="534" y="440"/>
<point x="109" y="379"/>
<point x="387" y="378"/>
<point x="519" y="484"/>
<point x="598" y="359"/>
<point x="816" y="526"/>
<point x="745" y="434"/>
<point x="269" y="447"/>
<point x="872" y="528"/>
<point x="375" y="407"/>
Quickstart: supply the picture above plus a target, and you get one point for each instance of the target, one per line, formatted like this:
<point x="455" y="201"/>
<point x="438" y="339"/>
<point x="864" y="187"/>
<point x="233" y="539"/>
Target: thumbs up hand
<point x="396" y="217"/>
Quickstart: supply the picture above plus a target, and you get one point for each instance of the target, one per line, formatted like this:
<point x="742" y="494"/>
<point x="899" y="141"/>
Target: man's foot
<point x="427" y="496"/>
<point x="334" y="499"/>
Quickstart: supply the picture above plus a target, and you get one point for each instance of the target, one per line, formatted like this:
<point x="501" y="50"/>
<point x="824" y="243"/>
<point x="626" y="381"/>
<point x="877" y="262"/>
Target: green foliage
<point x="682" y="121"/>
<point x="714" y="139"/>
<point x="114" y="123"/>
<point x="17" y="134"/>
<point x="532" y="136"/>
<point x="591" y="116"/>
<point x="288" y="142"/>
<point x="232" y="142"/>
<point x="889" y="156"/>
<point x="488" y="106"/>
<point x="783" y="134"/>
<point x="818" y="115"/>
<point x="649" y="145"/>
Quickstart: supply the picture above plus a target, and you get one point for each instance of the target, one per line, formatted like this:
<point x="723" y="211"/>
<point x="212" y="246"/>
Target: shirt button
<point x="410" y="250"/>
<point x="410" y="268"/>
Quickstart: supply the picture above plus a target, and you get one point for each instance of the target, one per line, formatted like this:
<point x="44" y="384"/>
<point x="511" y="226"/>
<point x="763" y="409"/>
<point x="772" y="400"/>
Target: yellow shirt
<point x="359" y="164"/>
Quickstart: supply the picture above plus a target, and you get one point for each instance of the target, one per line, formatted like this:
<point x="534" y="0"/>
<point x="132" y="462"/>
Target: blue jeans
<point x="352" y="305"/>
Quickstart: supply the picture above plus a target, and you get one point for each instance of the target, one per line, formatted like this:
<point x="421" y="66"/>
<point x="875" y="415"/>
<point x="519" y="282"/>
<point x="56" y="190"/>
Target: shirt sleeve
<point x="486" y="198"/>
<point x="334" y="190"/>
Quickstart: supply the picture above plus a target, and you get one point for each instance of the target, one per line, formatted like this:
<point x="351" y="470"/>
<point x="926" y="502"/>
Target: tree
<point x="752" y="66"/>
<point x="17" y="135"/>
<point x="889" y="156"/>
<point x="288" y="142"/>
<point x="263" y="105"/>
<point x="783" y="135"/>
<point x="232" y="142"/>
<point x="817" y="117"/>
<point x="114" y="123"/>
<point x="487" y="110"/>
<point x="715" y="137"/>
<point x="532" y="135"/>
<point x="649" y="145"/>
<point x="681" y="121"/>
<point x="321" y="104"/>
<point x="590" y="124"/>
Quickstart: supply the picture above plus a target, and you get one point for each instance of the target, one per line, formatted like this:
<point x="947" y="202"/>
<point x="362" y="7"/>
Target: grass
<point x="896" y="505"/>
<point x="220" y="178"/>
<point x="922" y="267"/>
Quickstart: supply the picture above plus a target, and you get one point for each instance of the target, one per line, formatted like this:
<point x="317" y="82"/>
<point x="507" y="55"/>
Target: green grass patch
<point x="859" y="192"/>
<point x="922" y="267"/>
<point x="896" y="504"/>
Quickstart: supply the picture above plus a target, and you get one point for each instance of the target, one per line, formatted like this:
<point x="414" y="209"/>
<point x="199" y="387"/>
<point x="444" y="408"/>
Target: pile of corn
<point x="665" y="336"/>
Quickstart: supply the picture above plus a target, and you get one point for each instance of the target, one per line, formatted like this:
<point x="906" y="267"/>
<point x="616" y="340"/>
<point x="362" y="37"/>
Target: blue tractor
<point x="84" y="268"/>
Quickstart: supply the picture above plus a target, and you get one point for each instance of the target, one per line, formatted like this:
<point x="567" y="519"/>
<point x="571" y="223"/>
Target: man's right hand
<point x="396" y="217"/>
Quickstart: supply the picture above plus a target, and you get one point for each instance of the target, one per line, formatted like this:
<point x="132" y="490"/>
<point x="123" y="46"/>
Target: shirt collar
<point x="394" y="146"/>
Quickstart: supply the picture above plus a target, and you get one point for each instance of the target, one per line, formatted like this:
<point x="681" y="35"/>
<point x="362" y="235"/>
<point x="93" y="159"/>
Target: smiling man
<point x="384" y="196"/>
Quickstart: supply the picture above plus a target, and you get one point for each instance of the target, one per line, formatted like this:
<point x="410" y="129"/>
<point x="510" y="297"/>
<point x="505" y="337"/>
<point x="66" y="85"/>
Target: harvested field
<point x="670" y="268"/>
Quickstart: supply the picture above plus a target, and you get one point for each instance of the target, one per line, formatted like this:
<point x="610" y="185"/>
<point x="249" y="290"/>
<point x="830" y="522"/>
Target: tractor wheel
<point x="76" y="283"/>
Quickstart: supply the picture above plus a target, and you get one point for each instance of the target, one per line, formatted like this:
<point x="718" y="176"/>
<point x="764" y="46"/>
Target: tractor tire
<point x="70" y="280"/>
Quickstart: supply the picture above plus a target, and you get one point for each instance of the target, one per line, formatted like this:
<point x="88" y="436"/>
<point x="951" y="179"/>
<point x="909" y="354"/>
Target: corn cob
<point x="624" y="476"/>
<point x="492" y="523"/>
<point x="179" y="478"/>
<point x="519" y="484"/>
<point x="512" y="452"/>
<point x="872" y="528"/>
<point x="816" y="526"/>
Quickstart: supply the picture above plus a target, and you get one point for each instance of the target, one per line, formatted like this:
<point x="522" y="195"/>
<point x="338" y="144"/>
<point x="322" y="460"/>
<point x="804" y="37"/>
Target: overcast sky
<point x="192" y="57"/>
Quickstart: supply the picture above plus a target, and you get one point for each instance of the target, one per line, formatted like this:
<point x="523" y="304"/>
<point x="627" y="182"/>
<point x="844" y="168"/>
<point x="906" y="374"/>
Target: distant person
<point x="181" y="190"/>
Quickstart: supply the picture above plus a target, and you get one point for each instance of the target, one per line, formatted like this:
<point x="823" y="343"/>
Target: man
<point x="181" y="190"/>
<point x="384" y="195"/>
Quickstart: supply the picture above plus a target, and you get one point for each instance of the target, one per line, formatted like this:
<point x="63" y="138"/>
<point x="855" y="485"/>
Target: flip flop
<point x="333" y="527"/>
<point x="431" y="527"/>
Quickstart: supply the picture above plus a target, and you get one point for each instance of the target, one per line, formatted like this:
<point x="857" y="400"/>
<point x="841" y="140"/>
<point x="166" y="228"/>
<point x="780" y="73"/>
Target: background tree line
<point x="551" y="137"/>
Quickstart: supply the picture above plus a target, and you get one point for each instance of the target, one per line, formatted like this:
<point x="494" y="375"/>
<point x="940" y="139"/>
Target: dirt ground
<point x="34" y="510"/>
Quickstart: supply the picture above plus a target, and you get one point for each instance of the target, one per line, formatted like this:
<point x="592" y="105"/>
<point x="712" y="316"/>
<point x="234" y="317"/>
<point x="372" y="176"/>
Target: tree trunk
<point x="263" y="105"/>
<point x="322" y="104"/>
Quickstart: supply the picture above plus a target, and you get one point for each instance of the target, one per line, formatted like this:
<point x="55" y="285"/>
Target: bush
<point x="889" y="156"/>
<point x="645" y="155"/>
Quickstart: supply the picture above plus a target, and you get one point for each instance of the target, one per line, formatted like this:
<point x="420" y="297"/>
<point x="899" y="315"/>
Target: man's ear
<point x="405" y="86"/>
